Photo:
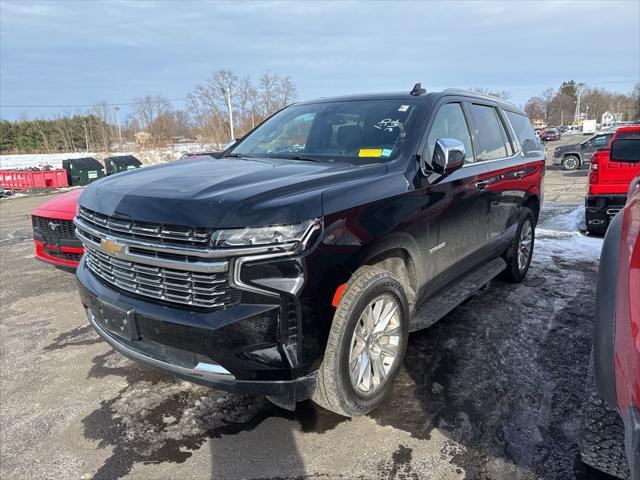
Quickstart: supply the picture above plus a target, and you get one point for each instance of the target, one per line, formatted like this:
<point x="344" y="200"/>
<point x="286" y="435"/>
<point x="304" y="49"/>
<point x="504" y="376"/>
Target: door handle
<point x="519" y="174"/>
<point x="482" y="185"/>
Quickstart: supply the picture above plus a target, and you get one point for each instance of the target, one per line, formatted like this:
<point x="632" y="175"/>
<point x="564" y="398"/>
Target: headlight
<point x="264" y="236"/>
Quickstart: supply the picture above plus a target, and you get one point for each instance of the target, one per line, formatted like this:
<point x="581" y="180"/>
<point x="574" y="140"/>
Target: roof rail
<point x="475" y="94"/>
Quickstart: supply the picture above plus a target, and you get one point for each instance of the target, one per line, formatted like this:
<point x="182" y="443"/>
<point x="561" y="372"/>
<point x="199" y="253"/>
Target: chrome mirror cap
<point x="448" y="155"/>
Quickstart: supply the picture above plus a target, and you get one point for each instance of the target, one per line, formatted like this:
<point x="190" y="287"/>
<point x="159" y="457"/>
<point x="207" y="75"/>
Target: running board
<point x="437" y="307"/>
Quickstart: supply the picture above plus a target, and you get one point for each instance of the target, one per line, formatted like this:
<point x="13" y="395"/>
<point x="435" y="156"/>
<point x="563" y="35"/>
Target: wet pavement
<point x="494" y="390"/>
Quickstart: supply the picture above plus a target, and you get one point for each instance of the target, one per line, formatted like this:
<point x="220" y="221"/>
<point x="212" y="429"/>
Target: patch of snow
<point x="559" y="236"/>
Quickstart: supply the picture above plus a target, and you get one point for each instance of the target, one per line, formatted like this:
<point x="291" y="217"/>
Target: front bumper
<point x="58" y="255"/>
<point x="600" y="209"/>
<point x="238" y="349"/>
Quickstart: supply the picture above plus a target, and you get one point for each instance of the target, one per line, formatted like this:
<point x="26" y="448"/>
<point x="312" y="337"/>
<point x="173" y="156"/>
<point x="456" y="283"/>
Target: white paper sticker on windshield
<point x="387" y="124"/>
<point x="403" y="108"/>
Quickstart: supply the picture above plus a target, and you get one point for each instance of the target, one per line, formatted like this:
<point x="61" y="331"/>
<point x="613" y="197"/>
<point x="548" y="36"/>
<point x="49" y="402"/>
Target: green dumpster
<point x="121" y="163"/>
<point x="82" y="171"/>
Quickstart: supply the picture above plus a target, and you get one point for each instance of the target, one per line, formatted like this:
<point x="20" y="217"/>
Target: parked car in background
<point x="608" y="184"/>
<point x="296" y="265"/>
<point x="53" y="231"/>
<point x="550" y="134"/>
<point x="611" y="413"/>
<point x="575" y="155"/>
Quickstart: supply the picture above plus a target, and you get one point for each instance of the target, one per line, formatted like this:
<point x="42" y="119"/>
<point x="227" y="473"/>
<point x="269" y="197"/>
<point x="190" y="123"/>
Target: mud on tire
<point x="602" y="435"/>
<point x="334" y="390"/>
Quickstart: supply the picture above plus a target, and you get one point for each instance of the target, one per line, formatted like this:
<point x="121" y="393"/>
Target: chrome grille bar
<point x="149" y="231"/>
<point x="209" y="290"/>
<point x="152" y="259"/>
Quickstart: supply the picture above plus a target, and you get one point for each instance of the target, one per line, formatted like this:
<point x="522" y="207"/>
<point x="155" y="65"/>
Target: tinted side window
<point x="601" y="140"/>
<point x="524" y="132"/>
<point x="635" y="135"/>
<point x="450" y="122"/>
<point x="488" y="133"/>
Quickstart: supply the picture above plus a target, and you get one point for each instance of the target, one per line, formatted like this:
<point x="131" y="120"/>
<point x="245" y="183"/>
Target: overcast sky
<point x="76" y="52"/>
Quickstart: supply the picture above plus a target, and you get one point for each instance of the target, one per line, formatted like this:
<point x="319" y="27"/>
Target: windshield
<point x="351" y="131"/>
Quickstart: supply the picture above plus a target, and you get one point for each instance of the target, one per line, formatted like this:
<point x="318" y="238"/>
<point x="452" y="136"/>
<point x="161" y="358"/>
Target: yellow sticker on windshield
<point x="370" y="152"/>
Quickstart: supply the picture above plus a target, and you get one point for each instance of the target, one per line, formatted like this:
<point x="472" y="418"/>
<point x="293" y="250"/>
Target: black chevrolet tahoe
<point x="296" y="265"/>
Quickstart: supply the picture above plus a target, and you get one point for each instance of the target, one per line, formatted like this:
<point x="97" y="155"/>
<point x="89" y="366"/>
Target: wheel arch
<point x="532" y="202"/>
<point x="398" y="254"/>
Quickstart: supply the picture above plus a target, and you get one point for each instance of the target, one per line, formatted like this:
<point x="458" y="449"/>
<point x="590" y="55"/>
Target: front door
<point x="463" y="224"/>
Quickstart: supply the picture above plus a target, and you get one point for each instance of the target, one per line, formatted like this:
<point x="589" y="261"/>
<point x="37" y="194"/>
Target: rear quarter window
<point x="524" y="132"/>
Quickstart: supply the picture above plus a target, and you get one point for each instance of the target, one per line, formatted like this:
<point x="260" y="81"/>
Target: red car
<point x="54" y="232"/>
<point x="550" y="134"/>
<point x="611" y="414"/>
<point x="608" y="184"/>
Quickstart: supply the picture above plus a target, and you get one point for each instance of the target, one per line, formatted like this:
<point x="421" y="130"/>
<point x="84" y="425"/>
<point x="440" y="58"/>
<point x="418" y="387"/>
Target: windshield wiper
<point x="306" y="159"/>
<point x="236" y="155"/>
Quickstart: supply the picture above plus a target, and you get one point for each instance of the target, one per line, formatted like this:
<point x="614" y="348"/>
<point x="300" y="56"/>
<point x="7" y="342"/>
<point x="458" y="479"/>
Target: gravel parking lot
<point x="494" y="390"/>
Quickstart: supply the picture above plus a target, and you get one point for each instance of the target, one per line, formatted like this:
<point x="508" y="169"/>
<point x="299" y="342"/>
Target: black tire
<point x="602" y="435"/>
<point x="570" y="162"/>
<point x="598" y="231"/>
<point x="334" y="390"/>
<point x="514" y="273"/>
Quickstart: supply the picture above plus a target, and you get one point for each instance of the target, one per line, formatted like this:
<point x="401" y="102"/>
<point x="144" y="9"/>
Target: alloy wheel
<point x="525" y="245"/>
<point x="570" y="163"/>
<point x="375" y="344"/>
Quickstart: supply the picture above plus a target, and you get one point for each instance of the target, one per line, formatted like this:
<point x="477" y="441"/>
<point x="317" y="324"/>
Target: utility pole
<point x="119" y="131"/>
<point x="228" y="97"/>
<point x="576" y="117"/>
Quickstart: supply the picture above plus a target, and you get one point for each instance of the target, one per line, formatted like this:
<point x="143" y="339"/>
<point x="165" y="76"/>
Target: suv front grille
<point x="200" y="289"/>
<point x="54" y="229"/>
<point x="162" y="234"/>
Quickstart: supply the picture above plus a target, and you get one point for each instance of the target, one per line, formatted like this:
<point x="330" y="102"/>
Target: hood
<point x="222" y="193"/>
<point x="61" y="206"/>
<point x="573" y="147"/>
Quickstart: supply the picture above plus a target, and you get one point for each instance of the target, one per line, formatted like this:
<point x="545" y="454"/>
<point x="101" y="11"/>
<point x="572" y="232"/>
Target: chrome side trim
<point x="206" y="371"/>
<point x="125" y="254"/>
<point x="236" y="281"/>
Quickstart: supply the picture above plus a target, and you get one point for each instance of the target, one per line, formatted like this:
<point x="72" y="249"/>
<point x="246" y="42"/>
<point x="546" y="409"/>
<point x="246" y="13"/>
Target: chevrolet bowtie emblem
<point x="112" y="247"/>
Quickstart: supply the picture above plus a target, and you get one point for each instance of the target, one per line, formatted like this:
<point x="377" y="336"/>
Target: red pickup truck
<point x="610" y="438"/>
<point x="608" y="184"/>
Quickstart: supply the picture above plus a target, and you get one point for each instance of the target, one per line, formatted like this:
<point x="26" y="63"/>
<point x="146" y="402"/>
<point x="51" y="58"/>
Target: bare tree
<point x="101" y="110"/>
<point x="150" y="114"/>
<point x="535" y="108"/>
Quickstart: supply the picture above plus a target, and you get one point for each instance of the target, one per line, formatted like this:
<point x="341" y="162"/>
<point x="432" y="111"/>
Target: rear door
<point x="499" y="152"/>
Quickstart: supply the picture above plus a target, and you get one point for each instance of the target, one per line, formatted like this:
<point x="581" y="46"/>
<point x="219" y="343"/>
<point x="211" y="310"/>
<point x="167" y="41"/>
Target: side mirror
<point x="625" y="150"/>
<point x="448" y="156"/>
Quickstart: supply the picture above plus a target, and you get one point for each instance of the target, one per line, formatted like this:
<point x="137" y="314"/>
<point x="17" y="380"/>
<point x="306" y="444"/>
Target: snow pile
<point x="150" y="156"/>
<point x="559" y="236"/>
<point x="38" y="160"/>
